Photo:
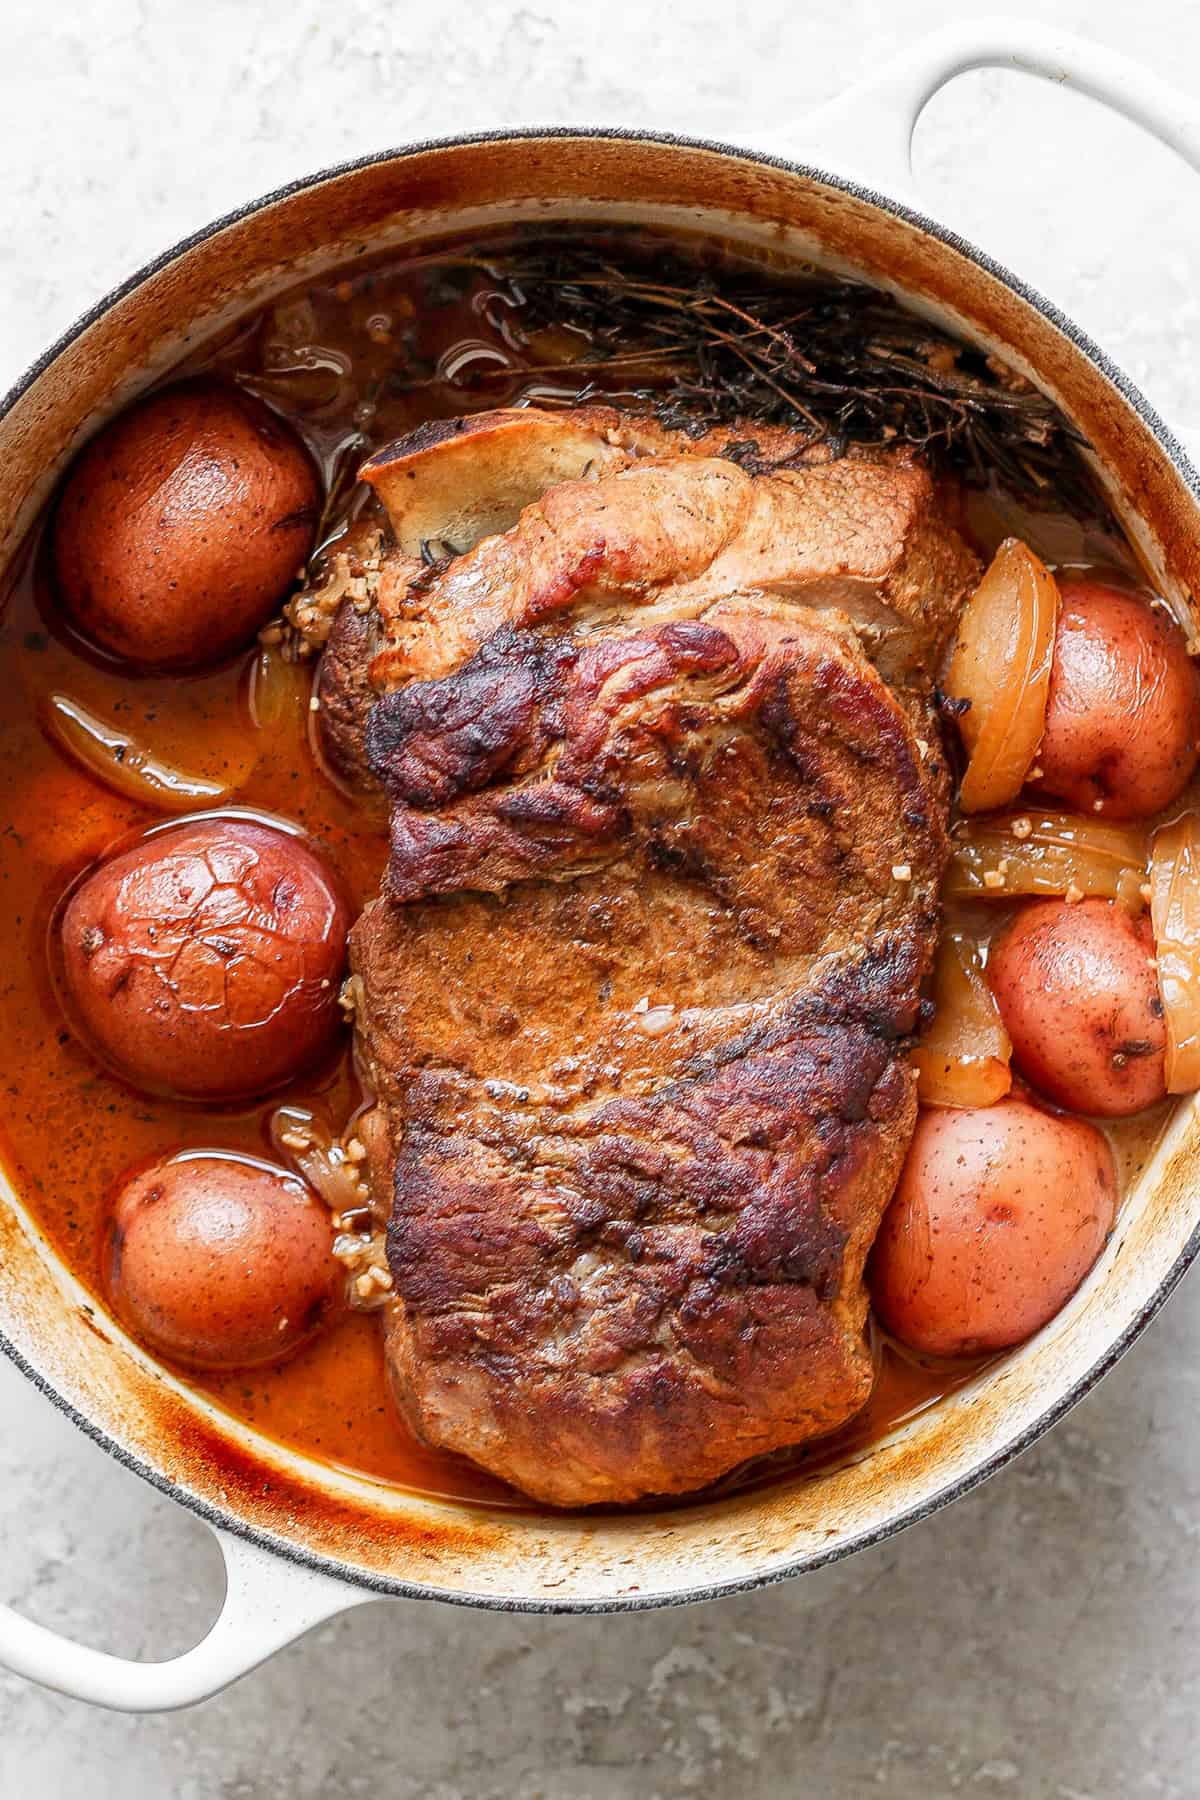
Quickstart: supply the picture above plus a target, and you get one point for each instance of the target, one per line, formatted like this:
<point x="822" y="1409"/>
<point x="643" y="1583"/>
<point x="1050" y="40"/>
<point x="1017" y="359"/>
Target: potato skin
<point x="1123" y="708"/>
<point x="206" y="961"/>
<point x="999" y="1214"/>
<point x="1079" y="998"/>
<point x="183" y="524"/>
<point x="219" y="1261"/>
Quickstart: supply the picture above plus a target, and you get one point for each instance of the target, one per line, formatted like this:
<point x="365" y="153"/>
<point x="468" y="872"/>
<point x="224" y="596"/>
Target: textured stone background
<point x="1040" y="1638"/>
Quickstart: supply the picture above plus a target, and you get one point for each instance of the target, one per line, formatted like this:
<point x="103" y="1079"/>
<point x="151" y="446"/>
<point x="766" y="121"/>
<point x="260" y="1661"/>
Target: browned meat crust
<point x="666" y="850"/>
<point x="660" y="520"/>
<point x="869" y="539"/>
<point x="645" y="1121"/>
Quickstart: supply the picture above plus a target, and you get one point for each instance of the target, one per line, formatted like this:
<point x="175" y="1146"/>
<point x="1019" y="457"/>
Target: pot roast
<point x="653" y="720"/>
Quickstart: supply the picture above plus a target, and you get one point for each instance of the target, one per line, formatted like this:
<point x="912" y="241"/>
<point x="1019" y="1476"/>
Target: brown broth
<point x="70" y="1128"/>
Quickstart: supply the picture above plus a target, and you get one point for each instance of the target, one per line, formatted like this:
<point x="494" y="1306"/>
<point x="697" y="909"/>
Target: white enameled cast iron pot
<point x="302" y="1541"/>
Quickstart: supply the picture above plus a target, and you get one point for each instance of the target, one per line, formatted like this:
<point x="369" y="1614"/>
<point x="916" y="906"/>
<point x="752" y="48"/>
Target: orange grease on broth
<point x="70" y="1129"/>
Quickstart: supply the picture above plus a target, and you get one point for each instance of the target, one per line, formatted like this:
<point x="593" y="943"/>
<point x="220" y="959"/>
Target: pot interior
<point x="379" y="1534"/>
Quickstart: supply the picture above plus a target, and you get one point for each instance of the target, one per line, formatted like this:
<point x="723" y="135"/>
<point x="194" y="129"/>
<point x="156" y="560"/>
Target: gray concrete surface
<point x="1040" y="1638"/>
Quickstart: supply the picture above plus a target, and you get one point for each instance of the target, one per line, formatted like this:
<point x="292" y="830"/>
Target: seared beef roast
<point x="667" y="828"/>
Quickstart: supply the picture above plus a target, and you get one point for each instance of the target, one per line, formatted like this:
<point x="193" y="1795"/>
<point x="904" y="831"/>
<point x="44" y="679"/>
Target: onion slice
<point x="1065" y="854"/>
<point x="126" y="767"/>
<point x="963" y="1057"/>
<point x="1061" y="540"/>
<point x="311" y="1147"/>
<point x="1175" y="917"/>
<point x="280" y="691"/>
<point x="335" y="1169"/>
<point x="1001" y="665"/>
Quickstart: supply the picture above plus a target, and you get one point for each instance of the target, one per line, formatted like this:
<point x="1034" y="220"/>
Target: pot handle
<point x="868" y="130"/>
<point x="268" y="1603"/>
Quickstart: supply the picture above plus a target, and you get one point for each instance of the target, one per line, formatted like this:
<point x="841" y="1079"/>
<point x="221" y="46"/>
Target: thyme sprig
<point x="836" y="361"/>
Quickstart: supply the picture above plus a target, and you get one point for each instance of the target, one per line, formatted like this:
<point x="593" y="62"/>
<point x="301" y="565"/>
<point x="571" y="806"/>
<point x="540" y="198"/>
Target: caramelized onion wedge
<point x="126" y="767"/>
<point x="963" y="1058"/>
<point x="1175" y="917"/>
<point x="1001" y="665"/>
<point x="1011" y="854"/>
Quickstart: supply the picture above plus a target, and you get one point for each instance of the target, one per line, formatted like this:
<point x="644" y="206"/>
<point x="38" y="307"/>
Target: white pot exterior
<point x="302" y="1542"/>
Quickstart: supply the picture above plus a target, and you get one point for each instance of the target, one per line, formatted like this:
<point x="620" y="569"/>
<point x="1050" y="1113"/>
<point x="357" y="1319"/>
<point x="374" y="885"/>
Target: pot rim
<point x="383" y="1585"/>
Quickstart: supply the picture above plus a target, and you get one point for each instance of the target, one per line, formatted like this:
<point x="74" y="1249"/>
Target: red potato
<point x="221" y="1262"/>
<point x="182" y="526"/>
<point x="206" y="961"/>
<point x="1122" y="730"/>
<point x="1078" y="995"/>
<point x="999" y="1214"/>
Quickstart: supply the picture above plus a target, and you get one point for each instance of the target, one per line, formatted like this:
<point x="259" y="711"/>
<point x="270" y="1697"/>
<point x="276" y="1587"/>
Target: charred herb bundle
<point x="835" y="360"/>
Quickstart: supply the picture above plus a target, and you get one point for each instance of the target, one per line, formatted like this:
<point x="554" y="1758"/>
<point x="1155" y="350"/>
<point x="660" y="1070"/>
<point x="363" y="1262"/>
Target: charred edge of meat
<point x="347" y="697"/>
<point x="434" y="740"/>
<point x="427" y="437"/>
